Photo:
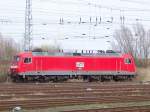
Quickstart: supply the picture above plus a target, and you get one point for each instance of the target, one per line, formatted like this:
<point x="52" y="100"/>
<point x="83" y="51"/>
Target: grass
<point x="4" y="67"/>
<point x="90" y="106"/>
<point x="143" y="74"/>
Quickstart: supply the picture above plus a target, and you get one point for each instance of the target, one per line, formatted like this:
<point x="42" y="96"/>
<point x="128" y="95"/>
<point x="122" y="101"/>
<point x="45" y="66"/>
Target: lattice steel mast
<point x="28" y="26"/>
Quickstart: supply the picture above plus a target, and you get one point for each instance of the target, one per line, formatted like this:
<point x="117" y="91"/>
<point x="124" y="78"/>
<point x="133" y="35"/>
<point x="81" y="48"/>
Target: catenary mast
<point x="28" y="26"/>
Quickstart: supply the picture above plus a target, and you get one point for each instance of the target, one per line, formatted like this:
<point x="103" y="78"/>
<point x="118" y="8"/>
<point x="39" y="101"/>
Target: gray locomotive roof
<point x="74" y="54"/>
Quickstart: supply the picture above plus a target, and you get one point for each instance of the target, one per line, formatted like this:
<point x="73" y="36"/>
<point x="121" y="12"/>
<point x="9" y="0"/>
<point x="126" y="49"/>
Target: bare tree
<point x="124" y="39"/>
<point x="50" y="48"/>
<point x="138" y="44"/>
<point x="8" y="48"/>
<point x="148" y="43"/>
<point x="142" y="43"/>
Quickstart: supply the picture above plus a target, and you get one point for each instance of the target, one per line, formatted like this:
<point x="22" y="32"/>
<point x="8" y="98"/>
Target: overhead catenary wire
<point x="99" y="6"/>
<point x="136" y="2"/>
<point x="92" y="18"/>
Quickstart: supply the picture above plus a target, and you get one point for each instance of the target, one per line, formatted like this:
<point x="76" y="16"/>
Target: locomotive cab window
<point x="16" y="58"/>
<point x="127" y="61"/>
<point x="27" y="60"/>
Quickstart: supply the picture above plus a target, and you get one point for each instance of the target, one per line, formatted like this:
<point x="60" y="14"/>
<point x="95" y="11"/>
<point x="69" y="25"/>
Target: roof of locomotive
<point x="103" y="54"/>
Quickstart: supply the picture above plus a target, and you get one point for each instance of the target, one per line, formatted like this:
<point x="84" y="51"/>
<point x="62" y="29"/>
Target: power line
<point x="46" y="11"/>
<point x="74" y="22"/>
<point x="101" y="6"/>
<point x="83" y="22"/>
<point x="137" y="2"/>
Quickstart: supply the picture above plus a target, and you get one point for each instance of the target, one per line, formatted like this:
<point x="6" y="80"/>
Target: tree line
<point x="135" y="40"/>
<point x="8" y="48"/>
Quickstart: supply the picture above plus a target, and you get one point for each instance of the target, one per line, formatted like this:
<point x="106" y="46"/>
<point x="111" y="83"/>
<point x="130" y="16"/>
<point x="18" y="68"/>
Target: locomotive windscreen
<point x="16" y="58"/>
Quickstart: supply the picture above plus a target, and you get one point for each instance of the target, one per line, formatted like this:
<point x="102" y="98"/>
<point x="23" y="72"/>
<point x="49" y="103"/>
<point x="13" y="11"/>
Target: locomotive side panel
<point x="55" y="66"/>
<point x="72" y="64"/>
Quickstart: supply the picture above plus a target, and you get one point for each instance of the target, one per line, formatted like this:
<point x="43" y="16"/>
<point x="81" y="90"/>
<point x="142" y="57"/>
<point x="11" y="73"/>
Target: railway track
<point x="55" y="95"/>
<point x="118" y="109"/>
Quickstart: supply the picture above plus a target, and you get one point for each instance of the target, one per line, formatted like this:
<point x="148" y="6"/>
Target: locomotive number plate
<point x="80" y="64"/>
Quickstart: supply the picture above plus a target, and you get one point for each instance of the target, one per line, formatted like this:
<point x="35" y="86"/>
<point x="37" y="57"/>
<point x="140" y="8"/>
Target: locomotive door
<point x="118" y="65"/>
<point x="27" y="64"/>
<point x="38" y="64"/>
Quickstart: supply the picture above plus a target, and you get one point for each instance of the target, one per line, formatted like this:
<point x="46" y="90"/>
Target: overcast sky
<point x="72" y="34"/>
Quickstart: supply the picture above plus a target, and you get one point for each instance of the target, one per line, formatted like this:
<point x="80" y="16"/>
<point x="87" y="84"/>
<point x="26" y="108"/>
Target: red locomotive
<point x="60" y="66"/>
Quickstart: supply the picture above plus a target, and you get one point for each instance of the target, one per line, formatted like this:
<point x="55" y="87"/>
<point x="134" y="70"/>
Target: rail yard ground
<point x="76" y="97"/>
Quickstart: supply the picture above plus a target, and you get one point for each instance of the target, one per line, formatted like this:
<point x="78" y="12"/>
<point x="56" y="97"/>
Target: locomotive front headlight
<point x="14" y="67"/>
